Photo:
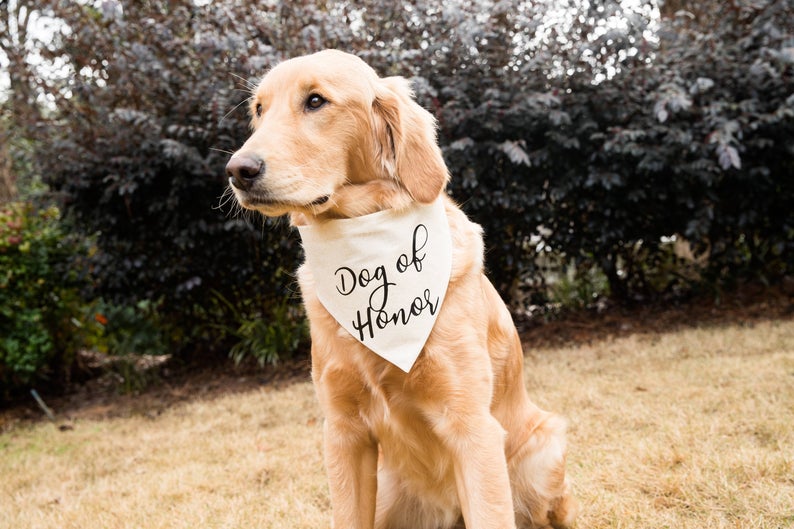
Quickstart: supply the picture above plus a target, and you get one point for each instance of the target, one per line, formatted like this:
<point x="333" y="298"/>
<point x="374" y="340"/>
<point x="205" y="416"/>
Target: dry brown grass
<point x="686" y="429"/>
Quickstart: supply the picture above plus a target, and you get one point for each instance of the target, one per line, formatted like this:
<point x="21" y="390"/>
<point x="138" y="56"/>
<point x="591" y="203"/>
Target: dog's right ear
<point x="405" y="140"/>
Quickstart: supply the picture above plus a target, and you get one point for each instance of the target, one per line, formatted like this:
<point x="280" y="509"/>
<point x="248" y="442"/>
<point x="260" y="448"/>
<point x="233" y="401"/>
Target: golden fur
<point x="457" y="439"/>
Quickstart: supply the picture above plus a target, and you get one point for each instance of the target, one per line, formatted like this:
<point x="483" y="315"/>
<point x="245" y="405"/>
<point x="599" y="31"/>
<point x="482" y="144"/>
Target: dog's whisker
<point x="226" y="197"/>
<point x="238" y="105"/>
<point x="224" y="151"/>
<point x="248" y="84"/>
<point x="242" y="90"/>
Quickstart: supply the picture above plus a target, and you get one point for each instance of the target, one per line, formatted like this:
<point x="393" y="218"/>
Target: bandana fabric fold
<point x="383" y="276"/>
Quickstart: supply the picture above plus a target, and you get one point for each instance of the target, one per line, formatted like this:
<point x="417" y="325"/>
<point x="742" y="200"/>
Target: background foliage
<point x="625" y="149"/>
<point x="40" y="301"/>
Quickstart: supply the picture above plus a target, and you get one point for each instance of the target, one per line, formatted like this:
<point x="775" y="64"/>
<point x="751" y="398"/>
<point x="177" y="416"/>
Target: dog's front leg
<point x="476" y="441"/>
<point x="351" y="452"/>
<point x="351" y="458"/>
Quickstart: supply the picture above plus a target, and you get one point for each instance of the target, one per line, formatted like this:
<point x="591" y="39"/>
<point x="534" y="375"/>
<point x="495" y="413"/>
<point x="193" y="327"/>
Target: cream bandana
<point x="383" y="276"/>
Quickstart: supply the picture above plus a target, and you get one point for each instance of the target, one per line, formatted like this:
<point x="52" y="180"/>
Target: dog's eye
<point x="315" y="101"/>
<point x="258" y="110"/>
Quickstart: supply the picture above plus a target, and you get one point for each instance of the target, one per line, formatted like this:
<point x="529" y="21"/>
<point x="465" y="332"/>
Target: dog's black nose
<point x="243" y="170"/>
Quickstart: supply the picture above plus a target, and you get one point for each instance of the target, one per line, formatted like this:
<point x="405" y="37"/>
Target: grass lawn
<point x="690" y="428"/>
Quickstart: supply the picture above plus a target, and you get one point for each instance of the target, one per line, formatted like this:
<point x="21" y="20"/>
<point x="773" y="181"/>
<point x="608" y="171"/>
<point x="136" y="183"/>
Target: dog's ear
<point x="406" y="142"/>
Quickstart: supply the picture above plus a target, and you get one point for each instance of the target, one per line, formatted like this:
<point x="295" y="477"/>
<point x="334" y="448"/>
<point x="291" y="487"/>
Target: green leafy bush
<point x="129" y="342"/>
<point x="130" y="330"/>
<point x="264" y="332"/>
<point x="48" y="316"/>
<point x="40" y="301"/>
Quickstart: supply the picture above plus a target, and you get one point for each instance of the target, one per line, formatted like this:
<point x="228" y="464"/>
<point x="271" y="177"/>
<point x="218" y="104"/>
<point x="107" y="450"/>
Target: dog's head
<point x="332" y="139"/>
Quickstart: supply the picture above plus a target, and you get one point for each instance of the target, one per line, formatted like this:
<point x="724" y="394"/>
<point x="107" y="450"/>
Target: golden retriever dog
<point x="455" y="441"/>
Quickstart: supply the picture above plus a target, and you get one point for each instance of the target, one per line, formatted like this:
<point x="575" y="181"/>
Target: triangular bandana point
<point x="383" y="277"/>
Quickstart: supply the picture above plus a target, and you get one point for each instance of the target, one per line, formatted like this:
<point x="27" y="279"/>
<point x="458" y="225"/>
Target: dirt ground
<point x="100" y="399"/>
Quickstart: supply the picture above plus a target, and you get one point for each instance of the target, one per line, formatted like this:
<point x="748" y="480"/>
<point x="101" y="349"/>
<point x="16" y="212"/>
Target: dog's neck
<point x="356" y="200"/>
